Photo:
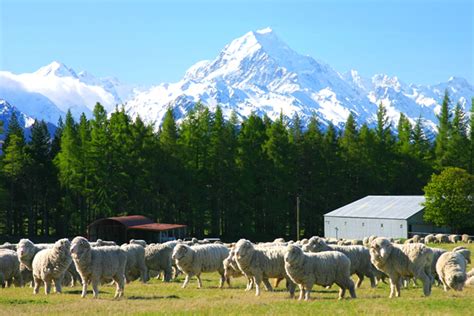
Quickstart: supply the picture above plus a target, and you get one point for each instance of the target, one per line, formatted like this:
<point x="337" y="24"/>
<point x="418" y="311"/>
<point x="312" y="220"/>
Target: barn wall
<point x="358" y="228"/>
<point x="416" y="225"/>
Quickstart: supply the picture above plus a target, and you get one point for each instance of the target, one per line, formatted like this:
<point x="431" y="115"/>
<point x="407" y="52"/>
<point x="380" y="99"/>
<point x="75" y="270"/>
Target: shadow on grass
<point x="17" y="301"/>
<point x="80" y="292"/>
<point x="154" y="297"/>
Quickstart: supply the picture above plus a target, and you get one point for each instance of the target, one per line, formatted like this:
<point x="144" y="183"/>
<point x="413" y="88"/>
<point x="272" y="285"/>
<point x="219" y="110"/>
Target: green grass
<point x="168" y="298"/>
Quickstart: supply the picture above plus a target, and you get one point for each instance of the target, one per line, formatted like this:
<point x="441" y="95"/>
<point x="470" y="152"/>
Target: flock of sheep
<point x="305" y="263"/>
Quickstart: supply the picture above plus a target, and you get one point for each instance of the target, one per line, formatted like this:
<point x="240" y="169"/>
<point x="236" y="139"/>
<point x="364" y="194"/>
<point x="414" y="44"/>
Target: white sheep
<point x="454" y="238"/>
<point x="140" y="242"/>
<point x="50" y="265"/>
<point x="95" y="264"/>
<point x="231" y="270"/>
<point x="430" y="239"/>
<point x="158" y="258"/>
<point x="9" y="268"/>
<point x="465" y="252"/>
<point x="262" y="263"/>
<point x="451" y="269"/>
<point x="359" y="256"/>
<point x="465" y="238"/>
<point x="197" y="259"/>
<point x="442" y="238"/>
<point x="135" y="266"/>
<point x="437" y="252"/>
<point x="103" y="243"/>
<point x="398" y="261"/>
<point x="323" y="268"/>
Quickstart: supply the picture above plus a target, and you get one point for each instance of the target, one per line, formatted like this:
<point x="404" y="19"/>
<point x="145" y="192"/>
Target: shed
<point x="122" y="229"/>
<point x="379" y="215"/>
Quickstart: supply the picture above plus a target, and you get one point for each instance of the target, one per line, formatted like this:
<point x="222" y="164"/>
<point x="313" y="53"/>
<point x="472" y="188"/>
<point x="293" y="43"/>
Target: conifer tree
<point x="444" y="127"/>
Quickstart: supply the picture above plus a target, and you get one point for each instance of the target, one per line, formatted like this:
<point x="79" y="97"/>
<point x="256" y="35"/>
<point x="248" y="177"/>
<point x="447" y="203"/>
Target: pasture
<point x="158" y="297"/>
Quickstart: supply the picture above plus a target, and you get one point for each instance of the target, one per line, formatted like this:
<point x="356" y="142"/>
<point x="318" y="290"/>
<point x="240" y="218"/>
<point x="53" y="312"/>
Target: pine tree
<point x="444" y="127"/>
<point x="456" y="154"/>
<point x="471" y="139"/>
<point x="404" y="135"/>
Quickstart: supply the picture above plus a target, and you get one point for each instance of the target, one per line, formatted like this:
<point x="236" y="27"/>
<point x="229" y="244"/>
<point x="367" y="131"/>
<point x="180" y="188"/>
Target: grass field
<point x="168" y="298"/>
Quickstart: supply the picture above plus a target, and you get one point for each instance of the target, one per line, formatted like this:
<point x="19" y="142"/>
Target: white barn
<point x="379" y="215"/>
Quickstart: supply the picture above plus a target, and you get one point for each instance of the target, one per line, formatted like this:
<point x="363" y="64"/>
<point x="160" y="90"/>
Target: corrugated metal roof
<point x="382" y="206"/>
<point x="157" y="226"/>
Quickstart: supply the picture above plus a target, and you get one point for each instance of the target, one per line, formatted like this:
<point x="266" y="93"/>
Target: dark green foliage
<point x="220" y="177"/>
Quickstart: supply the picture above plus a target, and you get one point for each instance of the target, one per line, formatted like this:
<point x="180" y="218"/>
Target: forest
<point x="222" y="178"/>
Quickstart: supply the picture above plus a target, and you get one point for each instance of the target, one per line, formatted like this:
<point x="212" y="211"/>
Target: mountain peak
<point x="57" y="69"/>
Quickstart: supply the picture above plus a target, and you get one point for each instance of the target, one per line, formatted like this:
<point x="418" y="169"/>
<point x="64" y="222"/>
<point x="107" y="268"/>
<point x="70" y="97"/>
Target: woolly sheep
<point x="465" y="252"/>
<point x="262" y="263"/>
<point x="95" y="264"/>
<point x="323" y="268"/>
<point x="410" y="260"/>
<point x="359" y="256"/>
<point x="279" y="241"/>
<point x="50" y="265"/>
<point x="454" y="238"/>
<point x="437" y="252"/>
<point x="140" y="242"/>
<point x="135" y="266"/>
<point x="409" y="241"/>
<point x="451" y="269"/>
<point x="158" y="258"/>
<point x="465" y="238"/>
<point x="231" y="270"/>
<point x="8" y="246"/>
<point x="430" y="239"/>
<point x="9" y="268"/>
<point x="197" y="259"/>
<point x="104" y="243"/>
<point x="416" y="238"/>
<point x="442" y="238"/>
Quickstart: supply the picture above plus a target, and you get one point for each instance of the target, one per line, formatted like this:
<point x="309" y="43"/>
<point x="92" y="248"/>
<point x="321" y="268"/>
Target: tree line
<point x="220" y="177"/>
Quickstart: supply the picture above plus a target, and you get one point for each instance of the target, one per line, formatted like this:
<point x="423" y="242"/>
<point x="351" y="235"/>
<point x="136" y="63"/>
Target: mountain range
<point x="257" y="72"/>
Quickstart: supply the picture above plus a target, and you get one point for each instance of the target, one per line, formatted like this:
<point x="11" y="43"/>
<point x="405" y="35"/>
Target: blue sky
<point x="149" y="42"/>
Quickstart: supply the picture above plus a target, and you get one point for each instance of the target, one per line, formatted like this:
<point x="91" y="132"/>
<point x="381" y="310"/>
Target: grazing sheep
<point x="409" y="241"/>
<point x="356" y="242"/>
<point x="410" y="260"/>
<point x="442" y="238"/>
<point x="451" y="269"/>
<point x="135" y="266"/>
<point x="95" y="264"/>
<point x="262" y="263"/>
<point x="359" y="256"/>
<point x="197" y="259"/>
<point x="430" y="239"/>
<point x="416" y="238"/>
<point x="231" y="270"/>
<point x="158" y="258"/>
<point x="437" y="252"/>
<point x="50" y="265"/>
<point x="279" y="241"/>
<point x="397" y="241"/>
<point x="323" y="268"/>
<point x="465" y="252"/>
<point x="8" y="246"/>
<point x="454" y="238"/>
<point x="465" y="238"/>
<point x="9" y="269"/>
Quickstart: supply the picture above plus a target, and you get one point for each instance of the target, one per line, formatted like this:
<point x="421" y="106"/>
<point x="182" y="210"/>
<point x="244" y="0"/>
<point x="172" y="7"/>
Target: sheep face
<point x="456" y="281"/>
<point x="243" y="248"/>
<point x="179" y="252"/>
<point x="63" y="246"/>
<point x="293" y="254"/>
<point x="25" y="250"/>
<point x="380" y="249"/>
<point x="79" y="247"/>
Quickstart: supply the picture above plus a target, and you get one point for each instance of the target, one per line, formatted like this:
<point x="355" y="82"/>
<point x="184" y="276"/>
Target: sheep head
<point x="25" y="250"/>
<point x="243" y="248"/>
<point x="380" y="249"/>
<point x="180" y="251"/>
<point x="456" y="280"/>
<point x="79" y="247"/>
<point x="293" y="254"/>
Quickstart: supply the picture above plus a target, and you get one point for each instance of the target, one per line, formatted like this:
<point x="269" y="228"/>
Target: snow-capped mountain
<point x="54" y="89"/>
<point x="6" y="112"/>
<point x="259" y="73"/>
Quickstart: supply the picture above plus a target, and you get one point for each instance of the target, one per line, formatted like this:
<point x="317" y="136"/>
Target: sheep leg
<point x="373" y="282"/>
<point x="394" y="286"/>
<point x="360" y="277"/>
<point x="119" y="286"/>
<point x="291" y="287"/>
<point x="222" y="280"/>
<point x="301" y="292"/>
<point x="84" y="288"/>
<point x="426" y="280"/>
<point x="186" y="280"/>
<point x="47" y="287"/>
<point x="198" y="276"/>
<point x="57" y="285"/>
<point x="397" y="288"/>
<point x="167" y="274"/>
<point x="307" y="293"/>
<point x="342" y="291"/>
<point x="249" y="284"/>
<point x="37" y="285"/>
<point x="257" y="281"/>
<point x="267" y="285"/>
<point x="95" y="287"/>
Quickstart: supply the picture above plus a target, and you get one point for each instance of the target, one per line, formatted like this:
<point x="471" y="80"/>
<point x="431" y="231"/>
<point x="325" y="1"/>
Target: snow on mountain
<point x="6" y="112"/>
<point x="259" y="73"/>
<point x="54" y="89"/>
